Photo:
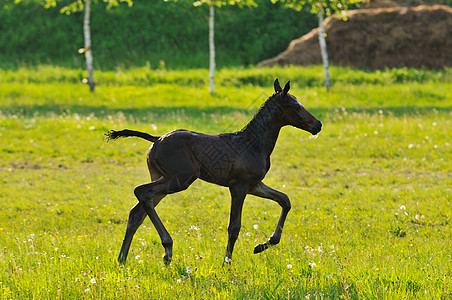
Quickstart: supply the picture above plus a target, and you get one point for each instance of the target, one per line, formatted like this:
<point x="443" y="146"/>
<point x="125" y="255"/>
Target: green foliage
<point x="220" y="3"/>
<point x="329" y="6"/>
<point x="79" y="5"/>
<point x="153" y="32"/>
<point x="7" y="4"/>
<point x="370" y="196"/>
<point x="71" y="6"/>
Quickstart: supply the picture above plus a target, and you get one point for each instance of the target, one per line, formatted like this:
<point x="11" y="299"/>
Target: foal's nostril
<point x="317" y="127"/>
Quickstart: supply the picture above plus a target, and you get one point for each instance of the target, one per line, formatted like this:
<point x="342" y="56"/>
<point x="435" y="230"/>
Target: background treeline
<point x="151" y="32"/>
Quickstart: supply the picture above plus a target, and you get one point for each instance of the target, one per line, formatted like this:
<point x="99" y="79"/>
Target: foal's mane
<point x="263" y="110"/>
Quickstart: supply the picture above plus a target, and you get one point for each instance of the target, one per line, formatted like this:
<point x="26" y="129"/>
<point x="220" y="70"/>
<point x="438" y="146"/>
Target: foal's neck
<point x="263" y="130"/>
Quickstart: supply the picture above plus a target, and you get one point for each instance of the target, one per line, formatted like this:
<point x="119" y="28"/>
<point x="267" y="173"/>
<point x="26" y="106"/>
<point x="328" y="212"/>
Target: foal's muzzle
<point x="316" y="127"/>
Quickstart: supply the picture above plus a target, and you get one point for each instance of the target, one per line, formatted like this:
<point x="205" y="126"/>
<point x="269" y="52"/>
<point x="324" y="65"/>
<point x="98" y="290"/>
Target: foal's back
<point x="214" y="158"/>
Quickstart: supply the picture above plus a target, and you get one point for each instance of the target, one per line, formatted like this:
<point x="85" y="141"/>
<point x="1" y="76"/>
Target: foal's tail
<point x="113" y="135"/>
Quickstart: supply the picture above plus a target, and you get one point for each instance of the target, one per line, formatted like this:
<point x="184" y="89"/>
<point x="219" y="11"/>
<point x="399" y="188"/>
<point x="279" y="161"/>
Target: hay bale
<point x="377" y="38"/>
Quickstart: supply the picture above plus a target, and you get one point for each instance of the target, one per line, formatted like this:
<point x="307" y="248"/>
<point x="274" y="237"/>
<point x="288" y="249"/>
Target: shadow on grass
<point x="105" y="111"/>
<point x="197" y="112"/>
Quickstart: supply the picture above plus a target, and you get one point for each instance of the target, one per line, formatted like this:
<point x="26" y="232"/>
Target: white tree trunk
<point x="88" y="52"/>
<point x="323" y="50"/>
<point x="211" y="48"/>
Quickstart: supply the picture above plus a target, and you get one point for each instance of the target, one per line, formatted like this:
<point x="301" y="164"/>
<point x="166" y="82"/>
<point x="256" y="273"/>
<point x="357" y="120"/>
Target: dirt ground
<point x="419" y="36"/>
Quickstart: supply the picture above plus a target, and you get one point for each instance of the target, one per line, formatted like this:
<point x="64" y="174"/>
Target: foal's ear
<point x="278" y="88"/>
<point x="286" y="88"/>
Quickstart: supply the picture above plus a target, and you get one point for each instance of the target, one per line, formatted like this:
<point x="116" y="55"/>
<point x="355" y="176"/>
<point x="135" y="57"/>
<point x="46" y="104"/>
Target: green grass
<point x="370" y="196"/>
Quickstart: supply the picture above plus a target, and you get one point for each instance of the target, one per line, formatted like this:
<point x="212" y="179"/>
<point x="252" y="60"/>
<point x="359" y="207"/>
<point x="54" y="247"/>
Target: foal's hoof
<point x="259" y="248"/>
<point x="227" y="261"/>
<point x="166" y="260"/>
<point x="122" y="259"/>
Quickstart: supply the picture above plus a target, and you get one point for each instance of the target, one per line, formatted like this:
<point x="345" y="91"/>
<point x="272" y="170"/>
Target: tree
<point x="323" y="50"/>
<point x="87" y="49"/>
<point x="322" y="7"/>
<point x="212" y="4"/>
<point x="85" y="6"/>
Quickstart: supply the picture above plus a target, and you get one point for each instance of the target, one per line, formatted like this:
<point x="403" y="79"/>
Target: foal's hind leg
<point x="136" y="217"/>
<point x="261" y="190"/>
<point x="148" y="193"/>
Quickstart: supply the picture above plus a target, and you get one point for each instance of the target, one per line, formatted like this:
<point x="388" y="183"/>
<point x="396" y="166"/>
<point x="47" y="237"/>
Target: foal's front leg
<point x="261" y="190"/>
<point x="238" y="194"/>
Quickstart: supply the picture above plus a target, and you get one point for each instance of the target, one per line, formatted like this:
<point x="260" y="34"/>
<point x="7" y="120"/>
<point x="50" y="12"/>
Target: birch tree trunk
<point x="323" y="50"/>
<point x="88" y="52"/>
<point x="211" y="48"/>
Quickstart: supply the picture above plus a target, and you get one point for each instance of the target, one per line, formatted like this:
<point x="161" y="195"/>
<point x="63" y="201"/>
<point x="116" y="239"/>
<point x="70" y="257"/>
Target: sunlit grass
<point x="370" y="196"/>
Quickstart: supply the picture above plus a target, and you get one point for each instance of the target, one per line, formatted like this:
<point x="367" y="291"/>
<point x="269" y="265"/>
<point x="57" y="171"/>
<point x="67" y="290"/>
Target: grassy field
<point x="371" y="196"/>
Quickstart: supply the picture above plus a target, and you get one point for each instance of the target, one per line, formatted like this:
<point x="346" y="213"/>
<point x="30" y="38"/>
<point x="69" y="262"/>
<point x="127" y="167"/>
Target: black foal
<point x="237" y="160"/>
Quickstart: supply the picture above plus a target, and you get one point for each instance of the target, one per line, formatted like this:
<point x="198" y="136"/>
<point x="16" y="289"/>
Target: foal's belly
<point x="214" y="158"/>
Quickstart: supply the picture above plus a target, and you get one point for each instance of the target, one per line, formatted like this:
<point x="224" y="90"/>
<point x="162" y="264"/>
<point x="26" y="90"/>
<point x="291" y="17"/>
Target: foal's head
<point x="292" y="112"/>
